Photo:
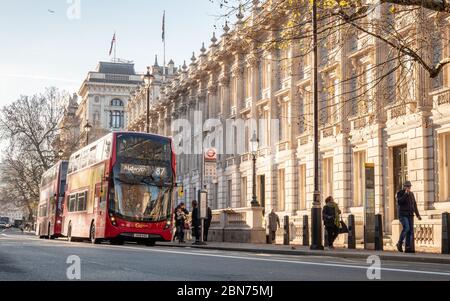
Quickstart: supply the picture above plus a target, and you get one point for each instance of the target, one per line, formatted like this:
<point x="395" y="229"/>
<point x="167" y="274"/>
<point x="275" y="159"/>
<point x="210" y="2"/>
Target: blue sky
<point x="40" y="49"/>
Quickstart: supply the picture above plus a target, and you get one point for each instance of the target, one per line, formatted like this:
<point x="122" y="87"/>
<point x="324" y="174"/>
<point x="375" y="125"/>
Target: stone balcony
<point x="329" y="131"/>
<point x="441" y="98"/>
<point x="400" y="110"/>
<point x="360" y="121"/>
<point x="264" y="152"/>
<point x="304" y="139"/>
<point x="242" y="225"/>
<point x="283" y="146"/>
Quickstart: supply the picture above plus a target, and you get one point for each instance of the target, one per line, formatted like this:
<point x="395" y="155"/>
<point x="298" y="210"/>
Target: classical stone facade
<point x="137" y="104"/>
<point x="104" y="95"/>
<point x="404" y="137"/>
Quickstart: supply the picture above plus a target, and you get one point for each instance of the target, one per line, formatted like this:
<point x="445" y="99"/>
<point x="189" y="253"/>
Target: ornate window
<point x="247" y="82"/>
<point x="116" y="103"/>
<point x="281" y="190"/>
<point x="438" y="81"/>
<point x="116" y="116"/>
<point x="243" y="192"/>
<point x="285" y="63"/>
<point x="116" y="119"/>
<point x="327" y="177"/>
<point x="444" y="167"/>
<point x="358" y="169"/>
<point x="266" y="73"/>
<point x="302" y="186"/>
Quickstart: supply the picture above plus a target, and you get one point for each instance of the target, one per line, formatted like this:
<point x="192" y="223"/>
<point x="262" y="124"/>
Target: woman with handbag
<point x="331" y="219"/>
<point x="180" y="220"/>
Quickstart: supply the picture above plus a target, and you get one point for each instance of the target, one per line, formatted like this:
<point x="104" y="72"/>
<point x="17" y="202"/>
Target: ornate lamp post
<point x="254" y="144"/>
<point x="148" y="81"/>
<point x="87" y="129"/>
<point x="60" y="154"/>
<point x="316" y="211"/>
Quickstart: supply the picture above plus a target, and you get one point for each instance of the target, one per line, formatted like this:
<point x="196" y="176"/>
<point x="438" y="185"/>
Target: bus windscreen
<point x="142" y="179"/>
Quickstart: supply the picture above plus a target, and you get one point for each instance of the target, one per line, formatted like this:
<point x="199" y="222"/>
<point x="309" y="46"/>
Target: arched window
<point x="116" y="103"/>
<point x="116" y="119"/>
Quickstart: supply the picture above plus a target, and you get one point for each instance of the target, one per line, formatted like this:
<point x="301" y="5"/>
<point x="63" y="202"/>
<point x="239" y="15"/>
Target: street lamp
<point x="87" y="129"/>
<point x="316" y="212"/>
<point x="254" y="144"/>
<point x="148" y="80"/>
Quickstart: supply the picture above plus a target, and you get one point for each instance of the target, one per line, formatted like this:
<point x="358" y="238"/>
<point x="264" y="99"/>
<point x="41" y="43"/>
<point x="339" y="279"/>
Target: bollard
<point x="445" y="233"/>
<point x="351" y="240"/>
<point x="379" y="244"/>
<point x="286" y="239"/>
<point x="413" y="238"/>
<point x="305" y="230"/>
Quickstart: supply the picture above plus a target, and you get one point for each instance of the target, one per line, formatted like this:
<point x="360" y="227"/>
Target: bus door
<point x="100" y="207"/>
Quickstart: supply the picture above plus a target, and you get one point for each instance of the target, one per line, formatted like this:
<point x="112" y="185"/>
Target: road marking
<point x="292" y="261"/>
<point x="326" y="264"/>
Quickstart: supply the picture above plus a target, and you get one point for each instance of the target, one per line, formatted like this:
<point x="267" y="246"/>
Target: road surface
<point x="25" y="257"/>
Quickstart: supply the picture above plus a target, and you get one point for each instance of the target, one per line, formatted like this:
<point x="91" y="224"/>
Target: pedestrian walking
<point x="196" y="222"/>
<point x="331" y="220"/>
<point x="180" y="220"/>
<point x="207" y="224"/>
<point x="407" y="207"/>
<point x="274" y="224"/>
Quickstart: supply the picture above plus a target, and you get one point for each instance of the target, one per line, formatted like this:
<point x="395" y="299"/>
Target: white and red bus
<point x="52" y="190"/>
<point x="120" y="188"/>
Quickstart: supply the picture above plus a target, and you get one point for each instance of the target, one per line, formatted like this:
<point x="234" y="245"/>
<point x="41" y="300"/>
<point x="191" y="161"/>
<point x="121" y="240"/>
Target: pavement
<point x="305" y="251"/>
<point x="25" y="257"/>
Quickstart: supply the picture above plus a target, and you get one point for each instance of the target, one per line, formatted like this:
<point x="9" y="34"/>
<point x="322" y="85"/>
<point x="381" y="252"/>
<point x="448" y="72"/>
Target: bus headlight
<point x="168" y="225"/>
<point x="113" y="220"/>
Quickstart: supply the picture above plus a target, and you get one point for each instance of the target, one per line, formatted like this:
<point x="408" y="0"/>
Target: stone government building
<point x="403" y="139"/>
<point x="103" y="98"/>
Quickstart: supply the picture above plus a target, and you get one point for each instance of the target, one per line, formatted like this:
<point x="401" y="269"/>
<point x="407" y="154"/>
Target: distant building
<point x="12" y="212"/>
<point x="104" y="96"/>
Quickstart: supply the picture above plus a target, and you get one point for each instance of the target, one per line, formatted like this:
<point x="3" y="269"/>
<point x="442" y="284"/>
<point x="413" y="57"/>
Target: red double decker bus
<point x="52" y="189"/>
<point x="121" y="188"/>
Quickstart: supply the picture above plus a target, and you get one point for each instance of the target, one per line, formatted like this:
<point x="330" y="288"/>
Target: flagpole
<point x="115" y="48"/>
<point x="164" y="46"/>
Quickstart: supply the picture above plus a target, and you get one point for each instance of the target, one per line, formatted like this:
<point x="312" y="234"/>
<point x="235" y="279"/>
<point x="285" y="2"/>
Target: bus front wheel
<point x="49" y="234"/>
<point x="69" y="233"/>
<point x="94" y="241"/>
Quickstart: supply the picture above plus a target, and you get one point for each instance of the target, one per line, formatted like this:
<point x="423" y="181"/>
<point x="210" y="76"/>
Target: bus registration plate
<point x="138" y="235"/>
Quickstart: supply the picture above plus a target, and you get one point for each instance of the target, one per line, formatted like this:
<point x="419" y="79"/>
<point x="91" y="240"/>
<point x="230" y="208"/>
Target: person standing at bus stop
<point x="207" y="224"/>
<point x="180" y="220"/>
<point x="196" y="222"/>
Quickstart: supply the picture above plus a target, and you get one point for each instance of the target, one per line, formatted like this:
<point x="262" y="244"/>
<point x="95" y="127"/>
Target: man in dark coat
<point x="207" y="224"/>
<point x="196" y="223"/>
<point x="407" y="207"/>
<point x="274" y="224"/>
